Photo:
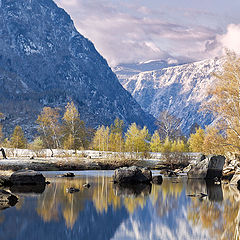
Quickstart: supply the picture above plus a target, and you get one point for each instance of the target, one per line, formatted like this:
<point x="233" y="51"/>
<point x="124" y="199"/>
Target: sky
<point x="130" y="31"/>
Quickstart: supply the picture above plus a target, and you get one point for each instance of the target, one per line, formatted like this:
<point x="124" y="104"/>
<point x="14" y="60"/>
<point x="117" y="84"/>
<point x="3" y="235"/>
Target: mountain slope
<point x="179" y="89"/>
<point x="44" y="61"/>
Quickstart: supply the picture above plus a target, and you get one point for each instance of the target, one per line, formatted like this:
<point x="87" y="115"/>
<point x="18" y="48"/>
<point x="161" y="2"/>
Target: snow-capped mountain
<point x="45" y="61"/>
<point x="179" y="89"/>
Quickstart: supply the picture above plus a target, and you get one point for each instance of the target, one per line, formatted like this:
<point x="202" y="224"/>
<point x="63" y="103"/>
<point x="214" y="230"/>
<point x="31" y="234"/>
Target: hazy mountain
<point x="44" y="61"/>
<point x="180" y="89"/>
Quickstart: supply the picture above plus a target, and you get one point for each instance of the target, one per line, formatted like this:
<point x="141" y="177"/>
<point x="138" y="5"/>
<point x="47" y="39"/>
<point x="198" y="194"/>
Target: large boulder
<point x="27" y="177"/>
<point x="132" y="175"/>
<point x="157" y="179"/>
<point x="208" y="167"/>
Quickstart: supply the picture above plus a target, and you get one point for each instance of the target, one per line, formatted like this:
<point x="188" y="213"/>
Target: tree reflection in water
<point x="219" y="212"/>
<point x="56" y="202"/>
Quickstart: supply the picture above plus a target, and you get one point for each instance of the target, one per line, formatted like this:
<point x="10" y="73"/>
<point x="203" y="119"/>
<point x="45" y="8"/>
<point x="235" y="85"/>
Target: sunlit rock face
<point x="44" y="61"/>
<point x="179" y="89"/>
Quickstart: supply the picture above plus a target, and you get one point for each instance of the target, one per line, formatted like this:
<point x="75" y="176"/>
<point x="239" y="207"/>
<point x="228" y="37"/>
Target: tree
<point x="101" y="139"/>
<point x="225" y="101"/>
<point x="116" y="142"/>
<point x="18" y="140"/>
<point x="136" y="139"/>
<point x="168" y="126"/>
<point x="74" y="130"/>
<point x="212" y="140"/>
<point x="166" y="146"/>
<point x="196" y="141"/>
<point x="49" y="127"/>
<point x="155" y="144"/>
<point x="179" y="146"/>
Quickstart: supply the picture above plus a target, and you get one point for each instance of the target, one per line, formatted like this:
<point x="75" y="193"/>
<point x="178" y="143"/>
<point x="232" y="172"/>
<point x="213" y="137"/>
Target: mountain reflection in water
<point x="108" y="211"/>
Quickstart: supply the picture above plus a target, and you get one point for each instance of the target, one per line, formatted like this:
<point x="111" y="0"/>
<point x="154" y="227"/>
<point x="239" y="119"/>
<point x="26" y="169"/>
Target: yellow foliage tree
<point x="212" y="140"/>
<point x="225" y="101"/>
<point x="18" y="140"/>
<point x="136" y="139"/>
<point x="155" y="144"/>
<point x="49" y="127"/>
<point x="101" y="139"/>
<point x="179" y="146"/>
<point x="166" y="146"/>
<point x="74" y="130"/>
<point x="196" y="141"/>
<point x="116" y="142"/>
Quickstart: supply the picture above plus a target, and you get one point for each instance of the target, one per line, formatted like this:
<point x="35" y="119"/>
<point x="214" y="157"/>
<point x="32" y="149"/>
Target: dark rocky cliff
<point x="44" y="61"/>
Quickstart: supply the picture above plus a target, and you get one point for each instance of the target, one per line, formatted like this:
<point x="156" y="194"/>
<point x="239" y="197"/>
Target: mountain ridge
<point x="45" y="61"/>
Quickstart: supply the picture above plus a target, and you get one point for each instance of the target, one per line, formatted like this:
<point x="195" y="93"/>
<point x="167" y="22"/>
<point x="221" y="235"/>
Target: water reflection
<point x="109" y="211"/>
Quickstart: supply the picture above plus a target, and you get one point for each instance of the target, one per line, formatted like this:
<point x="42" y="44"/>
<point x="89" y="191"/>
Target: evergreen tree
<point x="18" y="140"/>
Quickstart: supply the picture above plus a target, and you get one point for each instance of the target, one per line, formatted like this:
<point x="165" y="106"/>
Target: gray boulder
<point x="208" y="167"/>
<point x="132" y="175"/>
<point x="27" y="177"/>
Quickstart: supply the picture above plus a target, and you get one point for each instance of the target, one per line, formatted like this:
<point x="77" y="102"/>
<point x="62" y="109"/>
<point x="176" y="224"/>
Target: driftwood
<point x="3" y="153"/>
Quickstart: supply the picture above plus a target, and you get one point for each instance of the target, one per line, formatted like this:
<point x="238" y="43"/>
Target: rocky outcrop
<point x="208" y="167"/>
<point x="27" y="177"/>
<point x="132" y="175"/>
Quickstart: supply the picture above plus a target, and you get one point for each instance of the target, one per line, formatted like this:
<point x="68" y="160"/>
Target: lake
<point x="107" y="211"/>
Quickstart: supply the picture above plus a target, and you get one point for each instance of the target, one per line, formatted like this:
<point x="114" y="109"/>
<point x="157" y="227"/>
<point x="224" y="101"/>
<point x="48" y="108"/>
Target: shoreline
<point x="70" y="164"/>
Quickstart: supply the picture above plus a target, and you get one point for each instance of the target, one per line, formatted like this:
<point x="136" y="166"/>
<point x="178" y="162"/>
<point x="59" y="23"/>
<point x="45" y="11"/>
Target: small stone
<point x="72" y="190"/>
<point x="86" y="185"/>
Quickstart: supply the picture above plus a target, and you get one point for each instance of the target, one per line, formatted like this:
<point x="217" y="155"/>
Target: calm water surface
<point x="106" y="211"/>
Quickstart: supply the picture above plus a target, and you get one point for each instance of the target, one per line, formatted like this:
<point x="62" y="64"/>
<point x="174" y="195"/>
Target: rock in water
<point x="45" y="61"/>
<point x="157" y="179"/>
<point x="132" y="175"/>
<point x="69" y="174"/>
<point x="207" y="168"/>
<point x="27" y="177"/>
<point x="72" y="190"/>
<point x="7" y="199"/>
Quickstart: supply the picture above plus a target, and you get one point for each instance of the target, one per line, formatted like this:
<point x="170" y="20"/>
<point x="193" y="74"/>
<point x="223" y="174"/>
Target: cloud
<point x="231" y="40"/>
<point x="124" y="32"/>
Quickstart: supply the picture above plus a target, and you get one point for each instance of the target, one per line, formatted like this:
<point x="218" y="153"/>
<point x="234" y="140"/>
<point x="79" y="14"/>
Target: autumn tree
<point x="166" y="146"/>
<point x="49" y="127"/>
<point x="196" y="141"/>
<point x="137" y="140"/>
<point x="155" y="144"/>
<point x="168" y="126"/>
<point x="212" y="141"/>
<point x="74" y="130"/>
<point x="18" y="140"/>
<point x="225" y="101"/>
<point x="101" y="139"/>
<point x="116" y="142"/>
<point x="179" y="146"/>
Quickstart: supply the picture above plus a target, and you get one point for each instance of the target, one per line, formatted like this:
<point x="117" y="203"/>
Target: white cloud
<point x="231" y="40"/>
<point x="123" y="32"/>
